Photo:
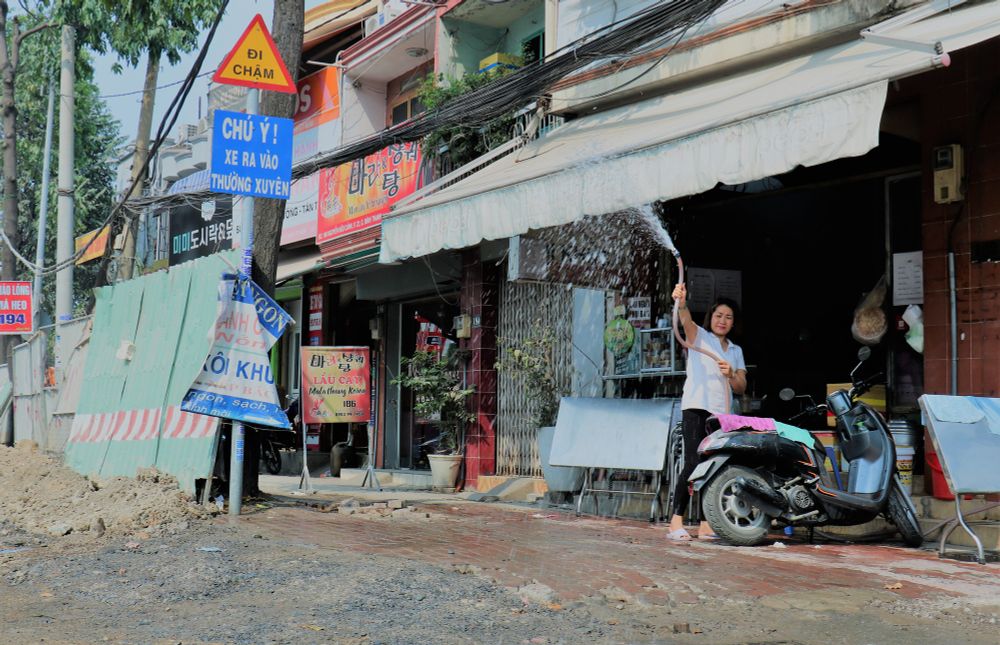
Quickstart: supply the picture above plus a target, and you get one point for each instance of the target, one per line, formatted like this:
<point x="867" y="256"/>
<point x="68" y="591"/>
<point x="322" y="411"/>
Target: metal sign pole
<point x="246" y="265"/>
<point x="371" y="479"/>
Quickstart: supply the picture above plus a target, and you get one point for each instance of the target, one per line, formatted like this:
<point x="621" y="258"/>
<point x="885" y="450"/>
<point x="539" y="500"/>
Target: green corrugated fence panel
<point x="187" y="440"/>
<point x="119" y="307"/>
<point x="116" y="316"/>
<point x="134" y="444"/>
<point x="128" y="416"/>
<point x="195" y="339"/>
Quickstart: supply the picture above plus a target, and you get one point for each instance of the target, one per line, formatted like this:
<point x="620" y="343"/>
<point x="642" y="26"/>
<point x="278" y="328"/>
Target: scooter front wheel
<point x="901" y="513"/>
<point x="731" y="517"/>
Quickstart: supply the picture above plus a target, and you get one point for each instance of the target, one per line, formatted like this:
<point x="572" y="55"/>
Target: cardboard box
<point x="875" y="397"/>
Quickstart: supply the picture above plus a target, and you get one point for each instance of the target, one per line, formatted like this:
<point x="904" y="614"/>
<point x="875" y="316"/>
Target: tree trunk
<point x="287" y="25"/>
<point x="268" y="215"/>
<point x="8" y="110"/>
<point x="139" y="158"/>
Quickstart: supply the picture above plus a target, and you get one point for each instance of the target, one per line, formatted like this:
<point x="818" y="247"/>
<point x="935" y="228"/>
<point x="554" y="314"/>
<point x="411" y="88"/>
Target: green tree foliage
<point x="130" y="28"/>
<point x="461" y="143"/>
<point x="96" y="144"/>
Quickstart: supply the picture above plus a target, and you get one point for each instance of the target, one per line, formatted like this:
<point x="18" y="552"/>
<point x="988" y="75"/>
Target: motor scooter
<point x="751" y="476"/>
<point x="272" y="441"/>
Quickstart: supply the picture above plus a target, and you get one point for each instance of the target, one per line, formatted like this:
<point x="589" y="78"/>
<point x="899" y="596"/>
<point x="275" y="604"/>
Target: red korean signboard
<point x="336" y="384"/>
<point x="16" y="306"/>
<point x="354" y="196"/>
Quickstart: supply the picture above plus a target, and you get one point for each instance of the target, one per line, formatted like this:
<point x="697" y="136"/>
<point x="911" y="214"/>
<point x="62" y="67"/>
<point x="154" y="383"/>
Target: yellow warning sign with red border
<point x="255" y="62"/>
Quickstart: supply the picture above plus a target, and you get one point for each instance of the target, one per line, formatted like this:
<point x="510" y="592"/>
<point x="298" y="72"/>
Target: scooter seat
<point x="738" y="423"/>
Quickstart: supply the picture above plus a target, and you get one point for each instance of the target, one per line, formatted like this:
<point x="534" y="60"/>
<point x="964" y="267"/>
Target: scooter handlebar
<point x="865" y="384"/>
<point x="812" y="409"/>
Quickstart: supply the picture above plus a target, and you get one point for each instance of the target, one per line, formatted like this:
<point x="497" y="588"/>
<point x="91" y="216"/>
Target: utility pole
<point x="139" y="157"/>
<point x="66" y="223"/>
<point x="44" y="214"/>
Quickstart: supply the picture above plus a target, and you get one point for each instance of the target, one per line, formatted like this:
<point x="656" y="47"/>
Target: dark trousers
<point x="693" y="430"/>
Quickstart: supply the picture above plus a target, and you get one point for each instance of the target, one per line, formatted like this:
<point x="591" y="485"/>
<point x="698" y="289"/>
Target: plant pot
<point x="444" y="471"/>
<point x="559" y="479"/>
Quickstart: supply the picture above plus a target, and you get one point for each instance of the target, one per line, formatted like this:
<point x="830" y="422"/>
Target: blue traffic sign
<point x="251" y="155"/>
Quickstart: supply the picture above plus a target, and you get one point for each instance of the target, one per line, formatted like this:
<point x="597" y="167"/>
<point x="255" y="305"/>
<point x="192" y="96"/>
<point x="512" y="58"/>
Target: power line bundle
<point x="663" y="22"/>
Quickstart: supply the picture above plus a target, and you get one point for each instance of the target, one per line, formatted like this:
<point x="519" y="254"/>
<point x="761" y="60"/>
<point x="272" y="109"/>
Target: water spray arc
<point x="662" y="237"/>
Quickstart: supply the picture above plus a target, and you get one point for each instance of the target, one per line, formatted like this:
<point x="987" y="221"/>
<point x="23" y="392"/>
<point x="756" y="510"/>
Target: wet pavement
<point x="583" y="556"/>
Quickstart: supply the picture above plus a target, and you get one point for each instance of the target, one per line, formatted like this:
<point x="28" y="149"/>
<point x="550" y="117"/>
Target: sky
<point x="126" y="108"/>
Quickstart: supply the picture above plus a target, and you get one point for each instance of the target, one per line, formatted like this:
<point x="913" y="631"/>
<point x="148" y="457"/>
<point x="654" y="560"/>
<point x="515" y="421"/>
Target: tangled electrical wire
<point x="627" y="37"/>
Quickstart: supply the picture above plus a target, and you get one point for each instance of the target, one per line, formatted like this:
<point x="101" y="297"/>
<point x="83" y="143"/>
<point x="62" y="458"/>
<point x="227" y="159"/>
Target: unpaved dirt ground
<point x="163" y="572"/>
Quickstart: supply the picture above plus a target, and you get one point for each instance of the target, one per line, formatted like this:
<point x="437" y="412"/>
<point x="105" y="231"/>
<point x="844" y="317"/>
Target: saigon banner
<point x="235" y="381"/>
<point x="335" y="384"/>
<point x="354" y="196"/>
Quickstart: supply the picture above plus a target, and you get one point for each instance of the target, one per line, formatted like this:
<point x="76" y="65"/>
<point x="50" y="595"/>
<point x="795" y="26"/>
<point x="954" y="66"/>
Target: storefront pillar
<point x="480" y="300"/>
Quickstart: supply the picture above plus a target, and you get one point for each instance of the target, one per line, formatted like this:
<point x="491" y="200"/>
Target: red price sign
<point x="15" y="308"/>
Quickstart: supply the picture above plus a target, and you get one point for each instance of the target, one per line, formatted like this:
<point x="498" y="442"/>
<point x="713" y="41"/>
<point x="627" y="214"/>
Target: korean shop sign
<point x="354" y="196"/>
<point x="335" y="384"/>
<point x="196" y="232"/>
<point x="251" y="155"/>
<point x="236" y="381"/>
<point x="15" y="308"/>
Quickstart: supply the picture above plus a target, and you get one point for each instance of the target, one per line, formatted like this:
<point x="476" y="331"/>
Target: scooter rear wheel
<point x="731" y="517"/>
<point x="901" y="513"/>
<point x="270" y="455"/>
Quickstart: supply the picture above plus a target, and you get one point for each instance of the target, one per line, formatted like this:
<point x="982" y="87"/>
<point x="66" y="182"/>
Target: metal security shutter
<point x="522" y="304"/>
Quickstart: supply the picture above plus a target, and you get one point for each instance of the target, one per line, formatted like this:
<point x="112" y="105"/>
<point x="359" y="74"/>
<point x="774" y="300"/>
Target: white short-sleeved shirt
<point x="705" y="387"/>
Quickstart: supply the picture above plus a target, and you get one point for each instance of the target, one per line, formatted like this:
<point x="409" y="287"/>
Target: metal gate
<point x="522" y="305"/>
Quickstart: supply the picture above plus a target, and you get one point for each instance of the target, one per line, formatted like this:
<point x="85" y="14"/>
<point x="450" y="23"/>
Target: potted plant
<point x="439" y="396"/>
<point x="531" y="361"/>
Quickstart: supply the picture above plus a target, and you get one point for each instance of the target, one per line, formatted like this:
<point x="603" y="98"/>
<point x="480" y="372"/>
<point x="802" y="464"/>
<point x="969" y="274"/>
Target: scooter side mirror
<point x="786" y="394"/>
<point x="863" y="355"/>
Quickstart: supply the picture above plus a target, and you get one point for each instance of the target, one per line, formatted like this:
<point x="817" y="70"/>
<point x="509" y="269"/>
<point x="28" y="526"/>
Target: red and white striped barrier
<point x="140" y="425"/>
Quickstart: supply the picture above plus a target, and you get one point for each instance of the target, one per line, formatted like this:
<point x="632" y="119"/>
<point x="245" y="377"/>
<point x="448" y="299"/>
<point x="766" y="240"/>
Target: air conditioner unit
<point x="389" y="12"/>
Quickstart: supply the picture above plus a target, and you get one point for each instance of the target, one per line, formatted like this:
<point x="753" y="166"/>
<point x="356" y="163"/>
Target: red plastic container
<point x="935" y="483"/>
<point x="938" y="484"/>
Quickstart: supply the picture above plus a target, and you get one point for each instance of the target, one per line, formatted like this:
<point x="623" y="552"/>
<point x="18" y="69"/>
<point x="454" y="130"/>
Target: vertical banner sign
<point x="251" y="155"/>
<point x="301" y="209"/>
<point x="354" y="196"/>
<point x="315" y="315"/>
<point x="236" y="381"/>
<point x="15" y="308"/>
<point x="335" y="384"/>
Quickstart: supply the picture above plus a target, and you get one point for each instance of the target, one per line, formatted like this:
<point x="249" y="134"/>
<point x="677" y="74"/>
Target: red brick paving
<point x="587" y="556"/>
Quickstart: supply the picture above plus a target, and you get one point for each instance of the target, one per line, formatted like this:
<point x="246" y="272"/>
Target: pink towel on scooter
<point x="730" y="422"/>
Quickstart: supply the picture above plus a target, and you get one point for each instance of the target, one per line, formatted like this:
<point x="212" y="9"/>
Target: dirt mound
<point x="41" y="495"/>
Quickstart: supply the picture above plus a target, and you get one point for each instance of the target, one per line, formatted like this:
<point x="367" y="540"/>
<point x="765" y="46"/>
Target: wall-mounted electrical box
<point x="375" y="325"/>
<point x="463" y="326"/>
<point x="948" y="173"/>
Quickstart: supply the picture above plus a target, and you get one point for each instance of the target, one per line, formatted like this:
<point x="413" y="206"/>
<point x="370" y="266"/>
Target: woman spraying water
<point x="715" y="371"/>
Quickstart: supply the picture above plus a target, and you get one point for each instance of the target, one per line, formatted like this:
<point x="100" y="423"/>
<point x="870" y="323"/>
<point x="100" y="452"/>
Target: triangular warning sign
<point x="255" y="62"/>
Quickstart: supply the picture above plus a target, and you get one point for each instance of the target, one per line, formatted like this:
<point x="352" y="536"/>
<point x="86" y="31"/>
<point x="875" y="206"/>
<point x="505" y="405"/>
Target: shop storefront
<point x="799" y="189"/>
